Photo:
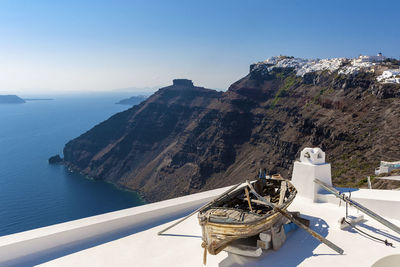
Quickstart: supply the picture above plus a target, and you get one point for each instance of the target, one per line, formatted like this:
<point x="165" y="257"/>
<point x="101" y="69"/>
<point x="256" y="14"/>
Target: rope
<point x="385" y="241"/>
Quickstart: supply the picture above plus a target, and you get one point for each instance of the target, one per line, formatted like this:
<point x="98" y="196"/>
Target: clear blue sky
<point x="57" y="46"/>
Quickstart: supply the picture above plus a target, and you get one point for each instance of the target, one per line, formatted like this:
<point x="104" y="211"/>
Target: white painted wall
<point x="311" y="166"/>
<point x="49" y="242"/>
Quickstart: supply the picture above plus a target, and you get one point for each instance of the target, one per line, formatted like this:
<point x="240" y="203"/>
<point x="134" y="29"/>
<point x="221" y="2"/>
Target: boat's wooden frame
<point x="218" y="233"/>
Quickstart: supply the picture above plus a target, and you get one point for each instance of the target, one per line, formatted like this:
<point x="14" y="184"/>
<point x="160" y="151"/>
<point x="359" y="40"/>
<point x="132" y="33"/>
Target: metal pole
<point x="294" y="220"/>
<point x="358" y="206"/>
<point x="200" y="209"/>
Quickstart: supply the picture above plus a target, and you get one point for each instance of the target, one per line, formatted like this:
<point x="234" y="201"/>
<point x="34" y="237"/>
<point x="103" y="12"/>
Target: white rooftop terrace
<point x="181" y="245"/>
<point x="129" y="237"/>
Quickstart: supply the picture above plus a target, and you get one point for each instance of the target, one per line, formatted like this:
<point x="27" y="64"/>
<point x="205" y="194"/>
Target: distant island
<point x="38" y="99"/>
<point x="134" y="100"/>
<point x="11" y="99"/>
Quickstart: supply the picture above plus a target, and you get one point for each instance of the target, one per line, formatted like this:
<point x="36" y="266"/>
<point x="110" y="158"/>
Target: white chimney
<point x="311" y="165"/>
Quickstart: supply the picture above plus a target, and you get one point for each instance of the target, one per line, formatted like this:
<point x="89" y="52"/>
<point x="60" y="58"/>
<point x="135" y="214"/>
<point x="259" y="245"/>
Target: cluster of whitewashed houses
<point x="387" y="167"/>
<point x="362" y="58"/>
<point x="389" y="76"/>
<point x="362" y="63"/>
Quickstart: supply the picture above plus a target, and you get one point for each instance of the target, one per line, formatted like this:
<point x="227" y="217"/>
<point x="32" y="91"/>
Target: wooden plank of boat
<point x="201" y="208"/>
<point x="229" y="219"/>
<point x="265" y="236"/>
<point x="278" y="237"/>
<point x="282" y="193"/>
<point x="265" y="245"/>
<point x="291" y="217"/>
<point x="248" y="198"/>
<point x="223" y="224"/>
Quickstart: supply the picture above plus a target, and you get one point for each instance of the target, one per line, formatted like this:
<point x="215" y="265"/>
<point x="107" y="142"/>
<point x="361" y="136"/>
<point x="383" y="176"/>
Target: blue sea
<point x="35" y="194"/>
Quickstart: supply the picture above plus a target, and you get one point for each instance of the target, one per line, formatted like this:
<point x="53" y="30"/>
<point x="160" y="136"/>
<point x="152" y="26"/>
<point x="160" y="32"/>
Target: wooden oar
<point x="294" y="220"/>
<point x="201" y="208"/>
<point x="282" y="193"/>
<point x="248" y="198"/>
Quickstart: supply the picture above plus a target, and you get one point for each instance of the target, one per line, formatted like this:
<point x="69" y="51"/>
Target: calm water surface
<point x="32" y="192"/>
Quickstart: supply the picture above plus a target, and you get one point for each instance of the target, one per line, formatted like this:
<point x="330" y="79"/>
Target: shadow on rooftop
<point x="299" y="246"/>
<point x="374" y="232"/>
<point x="346" y="189"/>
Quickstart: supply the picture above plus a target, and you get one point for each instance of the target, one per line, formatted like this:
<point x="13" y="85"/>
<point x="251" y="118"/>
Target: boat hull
<point x="218" y="235"/>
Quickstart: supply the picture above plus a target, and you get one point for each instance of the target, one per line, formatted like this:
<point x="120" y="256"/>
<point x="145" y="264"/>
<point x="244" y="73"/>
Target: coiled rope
<point x="384" y="241"/>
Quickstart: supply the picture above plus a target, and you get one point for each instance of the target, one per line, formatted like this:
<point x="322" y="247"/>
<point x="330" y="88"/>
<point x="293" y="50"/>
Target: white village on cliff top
<point x="344" y="66"/>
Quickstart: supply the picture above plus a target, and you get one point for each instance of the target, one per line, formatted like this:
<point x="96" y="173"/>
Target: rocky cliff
<point x="184" y="138"/>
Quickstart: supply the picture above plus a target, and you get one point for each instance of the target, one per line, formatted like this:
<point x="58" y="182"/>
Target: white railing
<point x="43" y="244"/>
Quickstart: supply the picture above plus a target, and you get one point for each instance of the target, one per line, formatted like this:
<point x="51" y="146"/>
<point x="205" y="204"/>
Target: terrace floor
<point x="180" y="246"/>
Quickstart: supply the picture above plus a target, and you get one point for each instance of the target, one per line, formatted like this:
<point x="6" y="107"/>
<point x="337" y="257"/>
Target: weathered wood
<point x="258" y="202"/>
<point x="204" y="245"/>
<point x="282" y="193"/>
<point x="278" y="237"/>
<point x="264" y="244"/>
<point x="302" y="220"/>
<point x="291" y="217"/>
<point x="244" y="250"/>
<point x="265" y="236"/>
<point x="230" y="220"/>
<point x="248" y="198"/>
<point x="201" y="208"/>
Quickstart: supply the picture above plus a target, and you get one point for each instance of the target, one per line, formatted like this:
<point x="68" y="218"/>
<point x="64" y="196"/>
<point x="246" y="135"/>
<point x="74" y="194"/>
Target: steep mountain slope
<point x="184" y="138"/>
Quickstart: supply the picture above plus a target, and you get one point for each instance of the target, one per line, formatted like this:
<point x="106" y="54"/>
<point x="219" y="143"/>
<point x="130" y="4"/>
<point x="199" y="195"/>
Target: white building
<point x="387" y="167"/>
<point x="389" y="76"/>
<point x="362" y="58"/>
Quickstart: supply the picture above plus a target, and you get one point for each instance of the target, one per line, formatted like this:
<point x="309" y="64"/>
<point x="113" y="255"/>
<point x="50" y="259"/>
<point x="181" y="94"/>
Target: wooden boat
<point x="237" y="215"/>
